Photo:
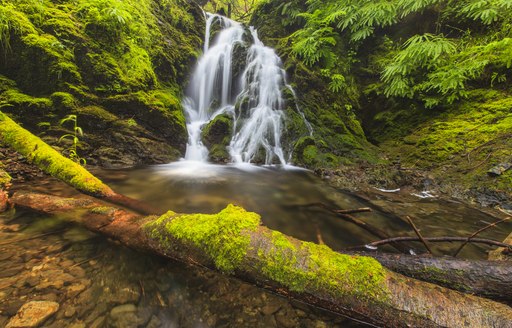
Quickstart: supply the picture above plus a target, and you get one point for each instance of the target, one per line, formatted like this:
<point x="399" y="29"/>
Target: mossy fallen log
<point x="490" y="279"/>
<point x="53" y="163"/>
<point x="234" y="242"/>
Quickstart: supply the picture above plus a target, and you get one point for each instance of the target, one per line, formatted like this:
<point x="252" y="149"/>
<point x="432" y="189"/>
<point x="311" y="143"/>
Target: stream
<point x="99" y="283"/>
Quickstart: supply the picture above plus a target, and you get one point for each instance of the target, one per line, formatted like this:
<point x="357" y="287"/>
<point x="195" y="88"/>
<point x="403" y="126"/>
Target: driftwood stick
<point x="478" y="232"/>
<point x="419" y="235"/>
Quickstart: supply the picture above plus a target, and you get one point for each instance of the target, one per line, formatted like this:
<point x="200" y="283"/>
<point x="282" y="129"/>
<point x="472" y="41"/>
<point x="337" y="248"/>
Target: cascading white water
<point x="213" y="70"/>
<point x="257" y="109"/>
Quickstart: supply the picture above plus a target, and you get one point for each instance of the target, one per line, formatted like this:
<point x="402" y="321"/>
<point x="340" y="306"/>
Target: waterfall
<point x="254" y="101"/>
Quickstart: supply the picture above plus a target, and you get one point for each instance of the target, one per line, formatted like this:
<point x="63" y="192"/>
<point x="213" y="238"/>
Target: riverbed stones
<point x="33" y="314"/>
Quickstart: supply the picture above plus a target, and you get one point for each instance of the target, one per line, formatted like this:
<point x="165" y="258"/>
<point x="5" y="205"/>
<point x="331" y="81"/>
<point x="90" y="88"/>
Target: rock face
<point x="33" y="314"/>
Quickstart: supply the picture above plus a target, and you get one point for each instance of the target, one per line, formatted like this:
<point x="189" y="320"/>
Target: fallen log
<point x="234" y="242"/>
<point x="490" y="279"/>
<point x="52" y="162"/>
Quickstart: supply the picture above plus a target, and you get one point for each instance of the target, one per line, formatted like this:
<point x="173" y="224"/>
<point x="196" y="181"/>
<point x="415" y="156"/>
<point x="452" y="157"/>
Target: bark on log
<point x="52" y="162"/>
<point x="234" y="242"/>
<point x="484" y="278"/>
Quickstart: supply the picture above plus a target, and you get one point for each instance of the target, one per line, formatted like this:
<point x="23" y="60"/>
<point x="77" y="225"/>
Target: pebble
<point x="70" y="312"/>
<point x="32" y="314"/>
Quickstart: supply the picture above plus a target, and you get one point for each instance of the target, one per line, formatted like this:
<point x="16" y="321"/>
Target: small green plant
<point x="77" y="131"/>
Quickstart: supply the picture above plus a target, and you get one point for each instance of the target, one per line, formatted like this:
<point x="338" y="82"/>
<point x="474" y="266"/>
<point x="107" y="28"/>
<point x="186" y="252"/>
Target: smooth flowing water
<point x="254" y="99"/>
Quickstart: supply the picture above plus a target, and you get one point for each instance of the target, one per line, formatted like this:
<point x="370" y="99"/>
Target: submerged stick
<point x="364" y="225"/>
<point x="436" y="240"/>
<point x="419" y="235"/>
<point x="478" y="232"/>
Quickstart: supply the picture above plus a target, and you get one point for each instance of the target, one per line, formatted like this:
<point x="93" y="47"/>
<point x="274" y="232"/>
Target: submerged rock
<point x="33" y="314"/>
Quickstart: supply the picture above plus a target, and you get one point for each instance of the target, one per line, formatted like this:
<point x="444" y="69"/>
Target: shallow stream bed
<point x="99" y="283"/>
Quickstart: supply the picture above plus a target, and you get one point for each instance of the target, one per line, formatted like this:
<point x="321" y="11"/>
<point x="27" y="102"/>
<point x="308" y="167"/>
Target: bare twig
<point x="478" y="232"/>
<point x="435" y="240"/>
<point x="319" y="236"/>
<point x="356" y="210"/>
<point x="419" y="235"/>
<point x="366" y="226"/>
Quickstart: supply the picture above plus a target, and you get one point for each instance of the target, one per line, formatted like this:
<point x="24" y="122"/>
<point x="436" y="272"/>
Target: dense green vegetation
<point x="429" y="80"/>
<point x="425" y="84"/>
<point x="118" y="65"/>
<point x="240" y="10"/>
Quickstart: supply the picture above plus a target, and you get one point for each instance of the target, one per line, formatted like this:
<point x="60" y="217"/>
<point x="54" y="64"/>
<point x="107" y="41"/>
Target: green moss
<point x="97" y="112"/>
<point x="104" y="210"/>
<point x="223" y="236"/>
<point x="48" y="159"/>
<point x="15" y="98"/>
<point x="321" y="269"/>
<point x="5" y="179"/>
<point x="225" y="239"/>
<point x="63" y="100"/>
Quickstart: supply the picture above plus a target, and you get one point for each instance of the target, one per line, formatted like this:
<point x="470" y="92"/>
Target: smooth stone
<point x="123" y="316"/>
<point x="33" y="314"/>
<point x="32" y="281"/>
<point x="70" y="312"/>
<point x="11" y="271"/>
<point x="128" y="295"/>
<point x="99" y="322"/>
<point x="75" y="289"/>
<point x="122" y="309"/>
<point x="270" y="309"/>
<point x="5" y="256"/>
<point x="77" y="325"/>
<point x="154" y="322"/>
<point x="54" y="248"/>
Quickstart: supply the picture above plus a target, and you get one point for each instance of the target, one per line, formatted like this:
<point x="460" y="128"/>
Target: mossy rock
<point x="73" y="57"/>
<point x="216" y="136"/>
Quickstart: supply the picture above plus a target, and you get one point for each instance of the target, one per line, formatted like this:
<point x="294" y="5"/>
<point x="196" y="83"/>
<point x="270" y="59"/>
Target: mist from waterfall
<point x="254" y="100"/>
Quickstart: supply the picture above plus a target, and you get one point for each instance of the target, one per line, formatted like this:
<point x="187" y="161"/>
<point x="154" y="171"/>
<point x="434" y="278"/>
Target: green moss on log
<point x="304" y="266"/>
<point x="224" y="236"/>
<point x="48" y="159"/>
<point x="227" y="237"/>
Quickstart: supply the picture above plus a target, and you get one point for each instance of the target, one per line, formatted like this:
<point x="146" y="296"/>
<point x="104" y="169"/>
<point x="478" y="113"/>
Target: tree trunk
<point x="234" y="242"/>
<point x="490" y="279"/>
